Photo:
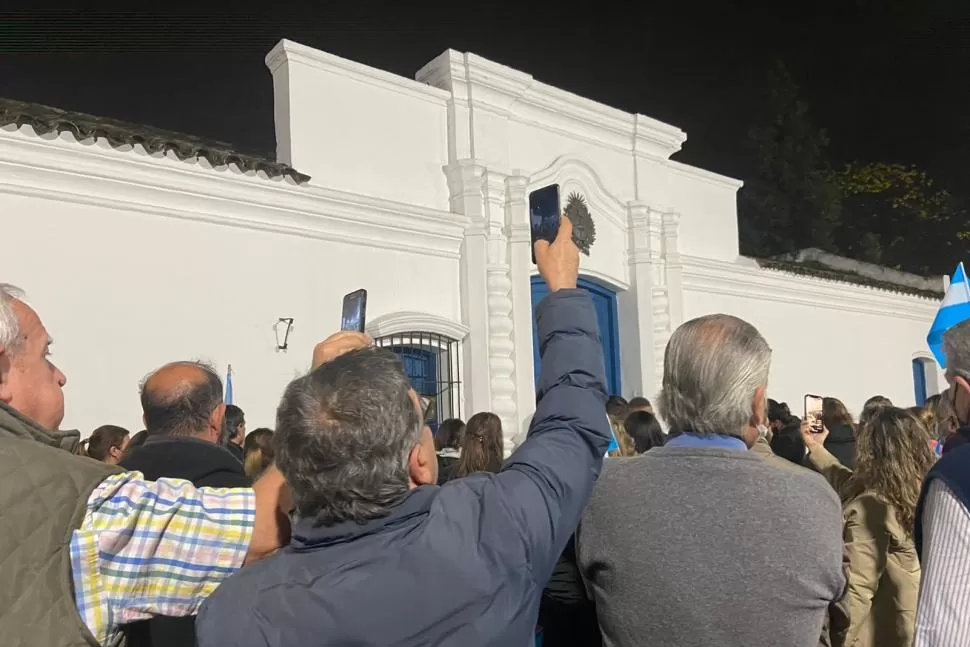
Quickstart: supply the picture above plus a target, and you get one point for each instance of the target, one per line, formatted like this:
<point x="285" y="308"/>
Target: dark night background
<point x="889" y="81"/>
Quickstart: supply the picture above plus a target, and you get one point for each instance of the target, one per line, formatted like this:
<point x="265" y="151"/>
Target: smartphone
<point x="544" y="215"/>
<point x="813" y="412"/>
<point x="354" y="316"/>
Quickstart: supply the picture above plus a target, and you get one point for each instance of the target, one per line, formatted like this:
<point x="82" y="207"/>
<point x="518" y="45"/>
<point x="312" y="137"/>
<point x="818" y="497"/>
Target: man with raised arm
<point x="381" y="555"/>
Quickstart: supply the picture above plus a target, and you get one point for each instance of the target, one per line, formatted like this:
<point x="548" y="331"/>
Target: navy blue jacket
<point x="462" y="564"/>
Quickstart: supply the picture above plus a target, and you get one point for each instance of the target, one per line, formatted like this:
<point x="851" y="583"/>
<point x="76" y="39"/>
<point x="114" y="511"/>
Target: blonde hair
<point x="892" y="458"/>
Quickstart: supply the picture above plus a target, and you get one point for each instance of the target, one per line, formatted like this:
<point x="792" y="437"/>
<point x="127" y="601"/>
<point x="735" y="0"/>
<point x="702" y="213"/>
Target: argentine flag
<point x="228" y="398"/>
<point x="954" y="309"/>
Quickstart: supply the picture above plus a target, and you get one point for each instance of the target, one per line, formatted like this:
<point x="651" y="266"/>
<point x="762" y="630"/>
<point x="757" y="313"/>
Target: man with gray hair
<point x="86" y="547"/>
<point x="701" y="542"/>
<point x="380" y="554"/>
<point x="942" y="532"/>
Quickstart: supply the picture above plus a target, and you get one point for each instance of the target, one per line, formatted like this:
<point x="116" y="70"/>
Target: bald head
<point x="183" y="399"/>
<point x="715" y="373"/>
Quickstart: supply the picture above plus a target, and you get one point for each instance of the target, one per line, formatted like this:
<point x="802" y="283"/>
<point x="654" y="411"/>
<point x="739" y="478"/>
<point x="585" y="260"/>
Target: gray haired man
<point x="701" y="542"/>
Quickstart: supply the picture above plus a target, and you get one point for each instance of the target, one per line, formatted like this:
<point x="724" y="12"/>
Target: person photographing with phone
<point x="879" y="500"/>
<point x="372" y="533"/>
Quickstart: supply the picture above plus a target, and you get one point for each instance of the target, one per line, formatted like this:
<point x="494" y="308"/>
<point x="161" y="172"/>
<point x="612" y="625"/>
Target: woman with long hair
<point x="879" y="507"/>
<point x="481" y="447"/>
<point x="841" y="437"/>
<point x="258" y="452"/>
<point x="107" y="444"/>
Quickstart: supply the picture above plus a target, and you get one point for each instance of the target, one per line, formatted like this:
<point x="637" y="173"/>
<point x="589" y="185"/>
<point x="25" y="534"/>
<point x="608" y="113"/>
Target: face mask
<point x="762" y="431"/>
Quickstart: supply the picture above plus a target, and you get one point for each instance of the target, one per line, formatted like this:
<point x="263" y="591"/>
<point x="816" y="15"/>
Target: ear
<point x="217" y="419"/>
<point x="6" y="394"/>
<point x="423" y="462"/>
<point x="961" y="383"/>
<point x="759" y="407"/>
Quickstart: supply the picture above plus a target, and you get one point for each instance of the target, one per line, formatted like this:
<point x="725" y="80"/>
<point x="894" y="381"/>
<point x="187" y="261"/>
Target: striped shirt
<point x="150" y="548"/>
<point x="943" y="616"/>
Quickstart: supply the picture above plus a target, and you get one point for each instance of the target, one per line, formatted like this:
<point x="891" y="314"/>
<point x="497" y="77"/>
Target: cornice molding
<point x="396" y="323"/>
<point x="736" y="279"/>
<point x="94" y="173"/>
<point x="706" y="176"/>
<point x="288" y="51"/>
<point x="518" y="95"/>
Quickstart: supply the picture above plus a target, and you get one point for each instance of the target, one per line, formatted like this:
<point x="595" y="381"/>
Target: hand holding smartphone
<point x="354" y="316"/>
<point x="813" y="413"/>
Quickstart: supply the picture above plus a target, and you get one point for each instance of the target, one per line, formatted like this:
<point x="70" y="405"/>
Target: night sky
<point x="889" y="80"/>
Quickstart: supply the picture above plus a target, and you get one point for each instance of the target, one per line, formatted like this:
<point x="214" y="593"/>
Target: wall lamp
<point x="282" y="328"/>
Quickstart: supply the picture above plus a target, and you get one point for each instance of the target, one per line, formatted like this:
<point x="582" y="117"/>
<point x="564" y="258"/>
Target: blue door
<point x="604" y="300"/>
<point x="919" y="381"/>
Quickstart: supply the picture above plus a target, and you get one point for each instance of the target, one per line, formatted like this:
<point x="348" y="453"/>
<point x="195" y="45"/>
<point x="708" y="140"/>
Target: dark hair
<point x="184" y="412"/>
<point x="98" y="445"/>
<point x="835" y="413"/>
<point x="644" y="428"/>
<point x="778" y="411"/>
<point x="481" y="447"/>
<point x="235" y="418"/>
<point x="258" y="451"/>
<point x="872" y="405"/>
<point x="344" y="433"/>
<point x="788" y="442"/>
<point x="617" y="408"/>
<point x="639" y="403"/>
<point x="449" y="434"/>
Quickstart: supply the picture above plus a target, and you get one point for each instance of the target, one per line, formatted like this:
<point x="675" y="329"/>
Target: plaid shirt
<point x="155" y="548"/>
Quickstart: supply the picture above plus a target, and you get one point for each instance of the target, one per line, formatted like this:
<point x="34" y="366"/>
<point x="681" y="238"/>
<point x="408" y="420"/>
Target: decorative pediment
<point x="395" y="323"/>
<point x="576" y="176"/>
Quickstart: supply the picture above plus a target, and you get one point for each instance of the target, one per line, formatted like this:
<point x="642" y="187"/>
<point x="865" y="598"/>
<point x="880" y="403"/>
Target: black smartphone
<point x="813" y="412"/>
<point x="354" y="316"/>
<point x="544" y="215"/>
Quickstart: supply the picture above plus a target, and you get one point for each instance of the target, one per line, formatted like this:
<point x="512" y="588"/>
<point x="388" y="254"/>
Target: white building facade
<point x="418" y="192"/>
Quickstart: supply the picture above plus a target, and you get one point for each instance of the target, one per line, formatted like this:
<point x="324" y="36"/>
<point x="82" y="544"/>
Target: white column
<point x="649" y="295"/>
<point x="520" y="271"/>
<point x="467" y="198"/>
<point x="501" y="344"/>
<point x="673" y="271"/>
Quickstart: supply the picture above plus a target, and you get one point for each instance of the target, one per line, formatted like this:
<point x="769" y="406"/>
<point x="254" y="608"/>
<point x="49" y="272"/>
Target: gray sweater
<point x="685" y="547"/>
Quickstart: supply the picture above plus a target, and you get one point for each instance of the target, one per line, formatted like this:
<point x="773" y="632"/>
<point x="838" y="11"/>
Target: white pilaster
<point x="520" y="270"/>
<point x="465" y="179"/>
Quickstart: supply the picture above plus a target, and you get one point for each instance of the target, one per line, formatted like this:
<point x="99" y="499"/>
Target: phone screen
<point x="354" y="312"/>
<point x="813" y="412"/>
<point x="544" y="215"/>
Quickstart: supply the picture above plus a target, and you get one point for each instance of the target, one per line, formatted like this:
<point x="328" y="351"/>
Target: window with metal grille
<point x="431" y="362"/>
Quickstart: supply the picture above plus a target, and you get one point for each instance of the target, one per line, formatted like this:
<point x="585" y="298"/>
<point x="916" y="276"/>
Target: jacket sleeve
<point x="866" y="538"/>
<point x="829" y="467"/>
<point x="545" y="484"/>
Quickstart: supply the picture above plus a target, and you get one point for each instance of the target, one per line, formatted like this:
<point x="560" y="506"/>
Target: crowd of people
<point x="720" y="519"/>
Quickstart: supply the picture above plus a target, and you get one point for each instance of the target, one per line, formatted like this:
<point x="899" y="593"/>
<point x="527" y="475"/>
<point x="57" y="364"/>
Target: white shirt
<point x="943" y="616"/>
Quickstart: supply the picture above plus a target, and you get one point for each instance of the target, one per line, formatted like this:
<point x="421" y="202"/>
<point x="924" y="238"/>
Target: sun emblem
<point x="584" y="229"/>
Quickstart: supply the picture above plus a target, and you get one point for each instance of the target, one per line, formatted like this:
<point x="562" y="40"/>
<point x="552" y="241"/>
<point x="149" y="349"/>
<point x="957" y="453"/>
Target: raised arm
<point x="547" y="481"/>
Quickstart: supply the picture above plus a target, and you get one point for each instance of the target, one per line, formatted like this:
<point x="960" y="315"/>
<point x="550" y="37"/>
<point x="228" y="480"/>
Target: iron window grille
<point x="431" y="362"/>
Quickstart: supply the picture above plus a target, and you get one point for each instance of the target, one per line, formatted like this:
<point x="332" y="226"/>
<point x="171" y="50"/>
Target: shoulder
<point x="804" y="487"/>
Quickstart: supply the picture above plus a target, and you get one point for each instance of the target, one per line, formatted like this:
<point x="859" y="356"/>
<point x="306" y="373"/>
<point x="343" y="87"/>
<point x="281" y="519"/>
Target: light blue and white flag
<point x="954" y="309"/>
<point x="228" y="397"/>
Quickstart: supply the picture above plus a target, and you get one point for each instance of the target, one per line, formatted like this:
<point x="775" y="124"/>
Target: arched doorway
<point x="604" y="300"/>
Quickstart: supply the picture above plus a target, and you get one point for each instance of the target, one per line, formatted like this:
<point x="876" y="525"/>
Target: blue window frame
<point x="919" y="380"/>
<point x="604" y="301"/>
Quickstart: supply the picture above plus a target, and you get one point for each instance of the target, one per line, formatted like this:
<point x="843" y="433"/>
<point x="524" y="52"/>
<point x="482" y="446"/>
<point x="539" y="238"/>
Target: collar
<point x="20" y="426"/>
<point x="415" y="504"/>
<point x="449" y="452"/>
<point x="714" y="441"/>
